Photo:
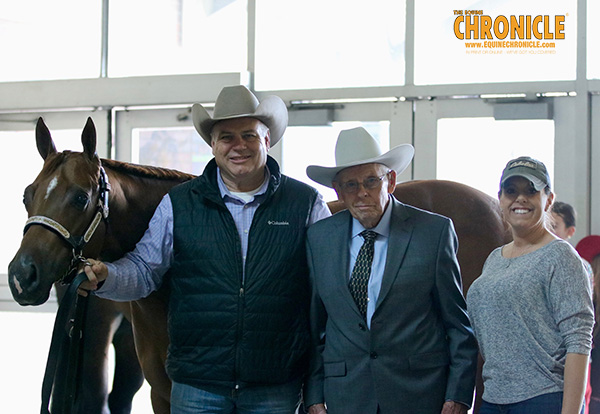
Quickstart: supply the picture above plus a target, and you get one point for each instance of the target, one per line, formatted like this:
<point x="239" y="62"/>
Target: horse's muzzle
<point x="25" y="284"/>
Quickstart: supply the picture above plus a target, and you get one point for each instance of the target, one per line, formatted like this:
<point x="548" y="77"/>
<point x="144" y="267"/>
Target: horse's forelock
<point x="56" y="160"/>
<point x="53" y="162"/>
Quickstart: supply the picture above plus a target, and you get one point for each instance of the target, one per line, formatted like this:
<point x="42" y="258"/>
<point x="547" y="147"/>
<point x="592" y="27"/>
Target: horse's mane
<point x="146" y="171"/>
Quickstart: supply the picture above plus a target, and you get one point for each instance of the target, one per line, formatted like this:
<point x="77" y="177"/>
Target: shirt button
<point x="246" y="231"/>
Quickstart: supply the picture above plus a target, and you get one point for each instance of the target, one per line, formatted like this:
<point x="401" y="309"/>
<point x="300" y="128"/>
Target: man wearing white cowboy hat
<point x="233" y="243"/>
<point x="388" y="318"/>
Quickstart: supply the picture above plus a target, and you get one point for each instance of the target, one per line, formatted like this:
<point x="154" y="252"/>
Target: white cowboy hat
<point x="356" y="147"/>
<point x="238" y="102"/>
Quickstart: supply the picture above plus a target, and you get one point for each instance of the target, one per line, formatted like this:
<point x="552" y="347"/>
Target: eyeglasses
<point x="370" y="183"/>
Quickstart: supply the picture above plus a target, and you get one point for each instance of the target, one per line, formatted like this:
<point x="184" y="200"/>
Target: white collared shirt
<point x="381" y="245"/>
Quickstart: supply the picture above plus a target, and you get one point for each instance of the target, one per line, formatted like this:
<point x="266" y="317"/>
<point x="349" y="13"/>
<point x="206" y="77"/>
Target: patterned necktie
<point x="359" y="280"/>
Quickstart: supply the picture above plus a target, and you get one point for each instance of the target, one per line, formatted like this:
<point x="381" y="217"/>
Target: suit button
<point x="362" y="326"/>
<point x="373" y="355"/>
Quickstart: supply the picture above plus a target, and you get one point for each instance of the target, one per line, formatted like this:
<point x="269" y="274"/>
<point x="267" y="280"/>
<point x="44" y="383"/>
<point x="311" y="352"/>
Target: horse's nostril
<point x="22" y="274"/>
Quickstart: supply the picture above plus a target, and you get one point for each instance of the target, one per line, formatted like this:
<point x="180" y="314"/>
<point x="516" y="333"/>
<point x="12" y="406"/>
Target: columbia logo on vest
<point x="277" y="223"/>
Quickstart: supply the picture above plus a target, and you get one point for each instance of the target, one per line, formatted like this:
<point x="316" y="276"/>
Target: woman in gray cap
<point x="531" y="309"/>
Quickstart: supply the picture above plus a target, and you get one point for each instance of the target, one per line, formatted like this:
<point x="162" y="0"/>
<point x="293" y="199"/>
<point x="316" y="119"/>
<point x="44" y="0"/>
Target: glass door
<point x="471" y="140"/>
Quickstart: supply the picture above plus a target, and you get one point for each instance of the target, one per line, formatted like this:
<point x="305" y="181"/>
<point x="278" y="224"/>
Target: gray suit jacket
<point x="420" y="350"/>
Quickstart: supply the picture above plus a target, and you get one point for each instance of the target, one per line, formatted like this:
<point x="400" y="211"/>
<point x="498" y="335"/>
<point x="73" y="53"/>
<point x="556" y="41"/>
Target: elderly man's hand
<point x="452" y="407"/>
<point x="96" y="273"/>
<point x="317" y="409"/>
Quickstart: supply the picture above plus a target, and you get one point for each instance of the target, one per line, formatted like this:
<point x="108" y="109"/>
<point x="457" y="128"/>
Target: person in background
<point x="531" y="309"/>
<point x="562" y="223"/>
<point x="589" y="249"/>
<point x="233" y="243"/>
<point x="389" y="325"/>
<point x="563" y="218"/>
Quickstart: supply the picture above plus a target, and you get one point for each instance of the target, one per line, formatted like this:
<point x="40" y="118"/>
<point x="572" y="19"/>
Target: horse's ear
<point x="88" y="139"/>
<point x="43" y="140"/>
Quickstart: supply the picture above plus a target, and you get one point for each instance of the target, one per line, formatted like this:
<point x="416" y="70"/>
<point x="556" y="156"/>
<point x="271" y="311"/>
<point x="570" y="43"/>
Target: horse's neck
<point x="133" y="200"/>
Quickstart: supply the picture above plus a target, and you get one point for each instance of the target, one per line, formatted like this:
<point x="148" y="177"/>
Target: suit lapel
<point x="400" y="233"/>
<point x="341" y="258"/>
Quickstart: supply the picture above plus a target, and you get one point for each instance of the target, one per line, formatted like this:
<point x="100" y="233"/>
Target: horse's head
<point x="65" y="204"/>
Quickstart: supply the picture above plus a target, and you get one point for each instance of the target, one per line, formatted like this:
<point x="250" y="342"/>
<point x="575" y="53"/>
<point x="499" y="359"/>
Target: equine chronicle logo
<point x="513" y="34"/>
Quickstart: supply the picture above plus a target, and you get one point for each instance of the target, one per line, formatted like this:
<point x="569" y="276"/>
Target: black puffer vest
<point x="225" y="332"/>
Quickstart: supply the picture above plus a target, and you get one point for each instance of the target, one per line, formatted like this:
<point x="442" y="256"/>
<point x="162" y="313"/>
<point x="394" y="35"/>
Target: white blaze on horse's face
<point x="51" y="186"/>
<point x="17" y="285"/>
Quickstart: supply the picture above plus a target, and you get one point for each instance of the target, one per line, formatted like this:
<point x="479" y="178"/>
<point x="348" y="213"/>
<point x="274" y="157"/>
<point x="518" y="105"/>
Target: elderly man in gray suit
<point x="388" y="317"/>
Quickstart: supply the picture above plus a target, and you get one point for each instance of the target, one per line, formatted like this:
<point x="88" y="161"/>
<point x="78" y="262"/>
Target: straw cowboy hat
<point x="356" y="147"/>
<point x="238" y="102"/>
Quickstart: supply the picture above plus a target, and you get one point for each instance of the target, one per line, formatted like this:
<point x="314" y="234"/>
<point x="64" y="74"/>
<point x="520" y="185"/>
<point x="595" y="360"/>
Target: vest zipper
<point x="240" y="330"/>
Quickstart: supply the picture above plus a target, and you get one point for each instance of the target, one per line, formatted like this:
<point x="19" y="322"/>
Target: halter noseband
<point x="78" y="243"/>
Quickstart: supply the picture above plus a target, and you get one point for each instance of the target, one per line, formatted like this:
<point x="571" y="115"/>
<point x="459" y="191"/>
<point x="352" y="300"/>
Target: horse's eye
<point x="81" y="201"/>
<point x="27" y="196"/>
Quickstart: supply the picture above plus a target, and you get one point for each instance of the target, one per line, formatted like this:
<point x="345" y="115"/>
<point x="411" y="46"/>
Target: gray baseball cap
<point x="529" y="168"/>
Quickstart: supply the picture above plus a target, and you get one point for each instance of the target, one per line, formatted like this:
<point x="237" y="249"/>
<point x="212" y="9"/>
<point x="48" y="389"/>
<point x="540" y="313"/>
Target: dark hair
<point x="566" y="211"/>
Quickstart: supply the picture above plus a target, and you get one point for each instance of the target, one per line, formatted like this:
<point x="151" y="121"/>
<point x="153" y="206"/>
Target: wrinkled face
<point x="365" y="204"/>
<point x="240" y="148"/>
<point x="522" y="205"/>
<point x="559" y="228"/>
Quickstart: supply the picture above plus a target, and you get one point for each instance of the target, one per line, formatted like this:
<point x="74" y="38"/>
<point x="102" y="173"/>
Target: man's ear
<point x="338" y="192"/>
<point x="391" y="181"/>
<point x="268" y="140"/>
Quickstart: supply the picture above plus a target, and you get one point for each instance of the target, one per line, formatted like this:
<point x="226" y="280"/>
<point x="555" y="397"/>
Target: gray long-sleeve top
<point x="527" y="313"/>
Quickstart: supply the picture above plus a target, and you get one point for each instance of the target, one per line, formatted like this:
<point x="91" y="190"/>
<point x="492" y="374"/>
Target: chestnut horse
<point x="135" y="193"/>
<point x="67" y="192"/>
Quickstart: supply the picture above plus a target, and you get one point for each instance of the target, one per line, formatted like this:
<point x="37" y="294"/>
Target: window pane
<point x="329" y="44"/>
<point x="466" y="155"/>
<point x="177" y="37"/>
<point x="304" y="146"/>
<point x="441" y="57"/>
<point x="593" y="38"/>
<point x="43" y="40"/>
<point x="177" y="148"/>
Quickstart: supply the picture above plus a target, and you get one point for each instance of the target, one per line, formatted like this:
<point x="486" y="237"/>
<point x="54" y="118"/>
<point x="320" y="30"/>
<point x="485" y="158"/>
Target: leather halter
<point x="77" y="243"/>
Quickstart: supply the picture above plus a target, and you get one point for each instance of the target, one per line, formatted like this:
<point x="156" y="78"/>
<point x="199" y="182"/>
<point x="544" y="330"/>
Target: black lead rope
<point x="65" y="350"/>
